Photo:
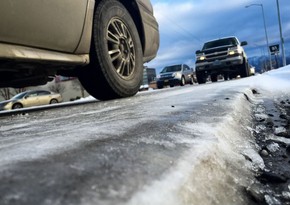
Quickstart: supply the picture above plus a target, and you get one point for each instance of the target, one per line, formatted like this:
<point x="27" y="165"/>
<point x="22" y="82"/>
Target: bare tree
<point x="5" y="93"/>
<point x="19" y="90"/>
<point x="57" y="87"/>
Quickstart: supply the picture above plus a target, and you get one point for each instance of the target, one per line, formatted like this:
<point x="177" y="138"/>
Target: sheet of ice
<point x="219" y="148"/>
<point x="183" y="183"/>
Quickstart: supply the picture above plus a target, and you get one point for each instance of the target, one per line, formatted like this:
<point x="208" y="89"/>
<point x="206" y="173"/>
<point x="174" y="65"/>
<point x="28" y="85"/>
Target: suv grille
<point x="216" y="54"/>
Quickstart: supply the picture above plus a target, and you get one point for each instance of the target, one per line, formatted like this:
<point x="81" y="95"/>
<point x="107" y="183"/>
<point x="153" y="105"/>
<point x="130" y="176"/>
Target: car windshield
<point x="220" y="42"/>
<point x="173" y="68"/>
<point x="19" y="96"/>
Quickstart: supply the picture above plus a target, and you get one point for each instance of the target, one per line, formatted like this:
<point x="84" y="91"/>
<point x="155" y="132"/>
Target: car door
<point x="51" y="24"/>
<point x="31" y="99"/>
<point x="44" y="97"/>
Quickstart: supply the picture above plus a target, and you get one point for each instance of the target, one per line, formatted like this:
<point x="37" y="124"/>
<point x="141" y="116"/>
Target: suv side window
<point x="186" y="67"/>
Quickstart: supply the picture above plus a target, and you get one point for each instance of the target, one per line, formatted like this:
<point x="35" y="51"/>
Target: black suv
<point x="175" y="75"/>
<point x="224" y="56"/>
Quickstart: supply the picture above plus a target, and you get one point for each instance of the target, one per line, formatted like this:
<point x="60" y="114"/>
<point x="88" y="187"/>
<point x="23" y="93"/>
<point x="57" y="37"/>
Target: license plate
<point x="165" y="81"/>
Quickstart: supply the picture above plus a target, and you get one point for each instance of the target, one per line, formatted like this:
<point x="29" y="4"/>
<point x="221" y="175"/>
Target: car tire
<point x="53" y="101"/>
<point x="182" y="81"/>
<point x="200" y="77"/>
<point x="191" y="80"/>
<point x="17" y="106"/>
<point x="244" y="69"/>
<point x="116" y="67"/>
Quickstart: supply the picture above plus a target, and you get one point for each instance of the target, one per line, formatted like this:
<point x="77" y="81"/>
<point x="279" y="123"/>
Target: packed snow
<point x="215" y="160"/>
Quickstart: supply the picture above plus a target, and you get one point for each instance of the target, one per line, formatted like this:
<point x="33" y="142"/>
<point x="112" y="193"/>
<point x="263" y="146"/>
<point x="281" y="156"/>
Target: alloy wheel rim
<point x="121" y="48"/>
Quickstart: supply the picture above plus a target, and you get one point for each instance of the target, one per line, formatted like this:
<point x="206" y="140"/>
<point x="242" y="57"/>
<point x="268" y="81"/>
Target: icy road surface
<point x="185" y="145"/>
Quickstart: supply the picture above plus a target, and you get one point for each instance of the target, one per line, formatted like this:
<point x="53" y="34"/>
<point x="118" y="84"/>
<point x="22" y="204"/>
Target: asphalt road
<point x="146" y="149"/>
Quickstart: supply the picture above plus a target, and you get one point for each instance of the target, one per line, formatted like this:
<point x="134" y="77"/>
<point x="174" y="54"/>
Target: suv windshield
<point x="173" y="68"/>
<point x="220" y="42"/>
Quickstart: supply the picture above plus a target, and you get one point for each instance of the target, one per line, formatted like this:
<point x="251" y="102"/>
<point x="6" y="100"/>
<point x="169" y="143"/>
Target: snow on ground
<point x="220" y="146"/>
<point x="225" y="166"/>
<point x="273" y="83"/>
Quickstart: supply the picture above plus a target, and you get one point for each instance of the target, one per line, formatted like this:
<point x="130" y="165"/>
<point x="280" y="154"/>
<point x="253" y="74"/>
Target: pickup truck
<point x="224" y="56"/>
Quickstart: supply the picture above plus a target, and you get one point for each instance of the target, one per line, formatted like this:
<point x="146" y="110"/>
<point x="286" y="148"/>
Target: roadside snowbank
<point x="215" y="170"/>
<point x="274" y="83"/>
<point x="222" y="161"/>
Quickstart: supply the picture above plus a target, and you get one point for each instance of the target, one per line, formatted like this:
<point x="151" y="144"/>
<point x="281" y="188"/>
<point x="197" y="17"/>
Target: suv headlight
<point x="176" y="75"/>
<point x="200" y="57"/>
<point x="234" y="51"/>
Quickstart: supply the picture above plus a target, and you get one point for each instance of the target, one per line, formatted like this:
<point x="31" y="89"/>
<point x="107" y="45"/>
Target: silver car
<point x="102" y="42"/>
<point x="180" y="74"/>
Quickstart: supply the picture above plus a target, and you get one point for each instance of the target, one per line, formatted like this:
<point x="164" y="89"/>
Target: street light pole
<point x="266" y="33"/>
<point x="281" y="36"/>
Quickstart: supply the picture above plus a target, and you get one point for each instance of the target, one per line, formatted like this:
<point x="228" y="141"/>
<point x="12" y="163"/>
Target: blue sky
<point x="185" y="25"/>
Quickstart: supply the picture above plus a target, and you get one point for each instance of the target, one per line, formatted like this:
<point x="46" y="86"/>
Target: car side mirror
<point x="244" y="43"/>
<point x="197" y="52"/>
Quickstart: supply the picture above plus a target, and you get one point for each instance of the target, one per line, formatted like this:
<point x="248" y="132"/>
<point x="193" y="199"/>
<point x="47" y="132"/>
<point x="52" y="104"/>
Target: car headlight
<point x="158" y="76"/>
<point x="234" y="50"/>
<point x="176" y="75"/>
<point x="4" y="106"/>
<point x="200" y="57"/>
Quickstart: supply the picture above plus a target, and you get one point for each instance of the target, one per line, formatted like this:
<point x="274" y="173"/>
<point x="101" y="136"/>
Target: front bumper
<point x="170" y="82"/>
<point x="221" y="64"/>
<point x="4" y="107"/>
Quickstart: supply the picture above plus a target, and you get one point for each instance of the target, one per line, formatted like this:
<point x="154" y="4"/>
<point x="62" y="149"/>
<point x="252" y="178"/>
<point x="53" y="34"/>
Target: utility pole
<point x="266" y="33"/>
<point x="281" y="35"/>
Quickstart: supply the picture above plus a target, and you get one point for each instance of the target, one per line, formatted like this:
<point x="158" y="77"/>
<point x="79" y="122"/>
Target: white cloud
<point x="186" y="25"/>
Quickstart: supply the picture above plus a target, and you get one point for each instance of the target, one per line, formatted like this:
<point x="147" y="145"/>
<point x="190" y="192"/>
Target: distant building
<point x="149" y="75"/>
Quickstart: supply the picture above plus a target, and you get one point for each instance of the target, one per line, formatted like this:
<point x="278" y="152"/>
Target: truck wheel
<point x="213" y="78"/>
<point x="200" y="77"/>
<point x="116" y="66"/>
<point x="244" y="69"/>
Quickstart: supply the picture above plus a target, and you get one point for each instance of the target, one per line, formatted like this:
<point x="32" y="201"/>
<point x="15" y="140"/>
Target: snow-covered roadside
<point x="216" y="130"/>
<point x="232" y="159"/>
<point x="220" y="176"/>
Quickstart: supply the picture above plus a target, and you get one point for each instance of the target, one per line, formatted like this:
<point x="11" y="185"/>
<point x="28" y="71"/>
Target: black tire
<point x="191" y="80"/>
<point x="200" y="77"/>
<point x="244" y="69"/>
<point x="232" y="76"/>
<point x="214" y="77"/>
<point x="17" y="106"/>
<point x="182" y="81"/>
<point x="160" y="85"/>
<point x="116" y="67"/>
<point x="53" y="101"/>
